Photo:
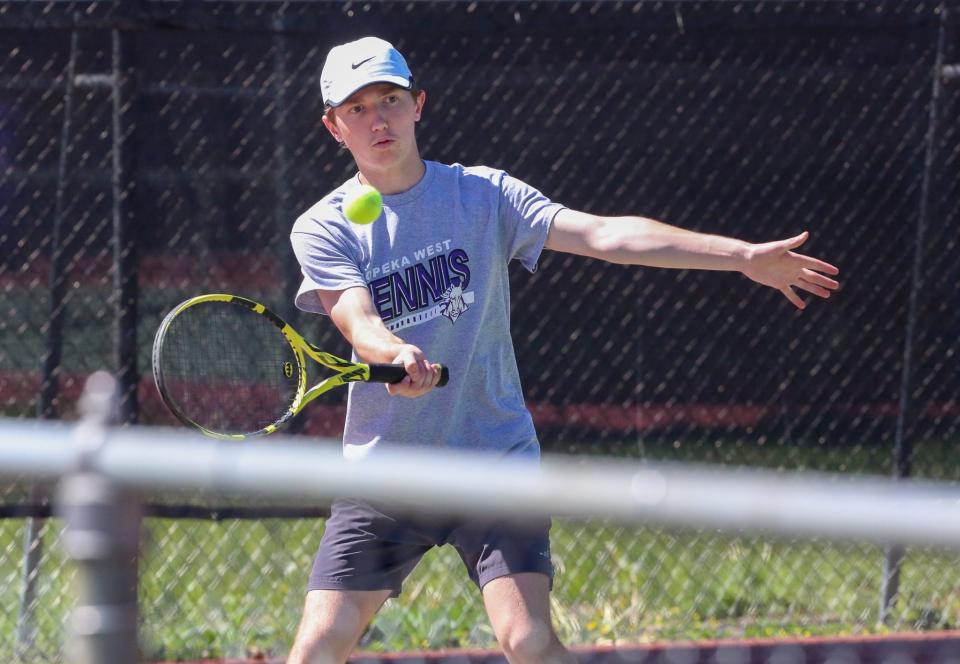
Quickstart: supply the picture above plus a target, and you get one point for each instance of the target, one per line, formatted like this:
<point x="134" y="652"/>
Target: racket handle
<point x="394" y="373"/>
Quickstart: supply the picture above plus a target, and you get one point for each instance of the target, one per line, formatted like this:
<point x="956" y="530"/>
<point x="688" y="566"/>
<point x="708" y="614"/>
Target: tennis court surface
<point x="933" y="648"/>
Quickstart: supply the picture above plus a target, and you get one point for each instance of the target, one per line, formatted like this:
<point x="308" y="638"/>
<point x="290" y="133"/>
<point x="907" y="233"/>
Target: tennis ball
<point x="363" y="205"/>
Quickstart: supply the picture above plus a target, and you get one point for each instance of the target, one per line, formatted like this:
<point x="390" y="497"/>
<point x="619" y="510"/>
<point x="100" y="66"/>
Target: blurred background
<point x="151" y="151"/>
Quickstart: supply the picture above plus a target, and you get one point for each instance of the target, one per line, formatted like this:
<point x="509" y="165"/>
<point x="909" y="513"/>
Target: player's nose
<point x="379" y="120"/>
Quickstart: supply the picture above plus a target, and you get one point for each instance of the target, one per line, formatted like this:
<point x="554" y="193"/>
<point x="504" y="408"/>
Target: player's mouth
<point x="384" y="142"/>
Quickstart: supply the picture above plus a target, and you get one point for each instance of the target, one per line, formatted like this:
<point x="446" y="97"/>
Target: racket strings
<point x="227" y="368"/>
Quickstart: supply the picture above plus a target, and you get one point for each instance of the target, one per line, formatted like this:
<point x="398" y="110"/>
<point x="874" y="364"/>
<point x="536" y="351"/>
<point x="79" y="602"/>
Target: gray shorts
<point x="364" y="549"/>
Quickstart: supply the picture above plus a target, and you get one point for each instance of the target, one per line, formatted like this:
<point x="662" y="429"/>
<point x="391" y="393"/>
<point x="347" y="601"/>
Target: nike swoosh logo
<point x="354" y="66"/>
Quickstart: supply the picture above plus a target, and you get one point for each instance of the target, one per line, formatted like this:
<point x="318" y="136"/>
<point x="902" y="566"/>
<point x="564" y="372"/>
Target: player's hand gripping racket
<point x="232" y="368"/>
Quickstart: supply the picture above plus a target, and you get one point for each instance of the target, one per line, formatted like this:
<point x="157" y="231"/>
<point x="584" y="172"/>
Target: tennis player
<point x="427" y="282"/>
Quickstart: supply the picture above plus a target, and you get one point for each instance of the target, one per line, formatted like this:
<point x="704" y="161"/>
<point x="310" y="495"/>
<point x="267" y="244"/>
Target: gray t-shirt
<point x="435" y="264"/>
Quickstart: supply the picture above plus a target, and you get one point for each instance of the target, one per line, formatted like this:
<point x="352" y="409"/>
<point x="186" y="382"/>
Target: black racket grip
<point x="394" y="373"/>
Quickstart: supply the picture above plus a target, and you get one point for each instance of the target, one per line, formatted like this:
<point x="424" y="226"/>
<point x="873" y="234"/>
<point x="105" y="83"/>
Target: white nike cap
<point x="352" y="66"/>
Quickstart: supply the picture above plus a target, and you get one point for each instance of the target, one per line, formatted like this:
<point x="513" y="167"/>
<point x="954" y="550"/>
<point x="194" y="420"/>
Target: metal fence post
<point x="906" y="411"/>
<point x="101" y="539"/>
<point x="283" y="208"/>
<point x="49" y="377"/>
<point x="125" y="255"/>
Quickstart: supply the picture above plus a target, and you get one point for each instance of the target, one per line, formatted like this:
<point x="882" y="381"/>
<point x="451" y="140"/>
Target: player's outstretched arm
<point x="641" y="241"/>
<point x="353" y="313"/>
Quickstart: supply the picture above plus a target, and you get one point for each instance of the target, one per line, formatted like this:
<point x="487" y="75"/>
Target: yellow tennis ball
<point x="363" y="205"/>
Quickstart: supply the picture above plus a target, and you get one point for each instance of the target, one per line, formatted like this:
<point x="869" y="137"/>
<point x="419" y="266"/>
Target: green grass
<point x="235" y="588"/>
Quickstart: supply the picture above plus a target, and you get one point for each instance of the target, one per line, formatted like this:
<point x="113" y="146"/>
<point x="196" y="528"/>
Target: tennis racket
<point x="233" y="369"/>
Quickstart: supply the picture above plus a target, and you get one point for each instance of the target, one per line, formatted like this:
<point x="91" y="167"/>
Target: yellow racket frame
<point x="346" y="371"/>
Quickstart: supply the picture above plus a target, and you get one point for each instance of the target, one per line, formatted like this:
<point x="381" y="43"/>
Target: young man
<point x="425" y="283"/>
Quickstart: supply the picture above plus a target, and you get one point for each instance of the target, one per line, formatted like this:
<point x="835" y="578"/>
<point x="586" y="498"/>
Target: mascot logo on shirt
<point x="452" y="303"/>
<point x="408" y="293"/>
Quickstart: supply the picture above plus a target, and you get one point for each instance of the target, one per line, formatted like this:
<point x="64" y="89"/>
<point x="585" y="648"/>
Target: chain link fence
<point x="152" y="151"/>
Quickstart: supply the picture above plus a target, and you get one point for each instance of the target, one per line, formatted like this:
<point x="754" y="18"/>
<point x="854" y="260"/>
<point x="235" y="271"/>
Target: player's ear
<point x="420" y="99"/>
<point x="331" y="126"/>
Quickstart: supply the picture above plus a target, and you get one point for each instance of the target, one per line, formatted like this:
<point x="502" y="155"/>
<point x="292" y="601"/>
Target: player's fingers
<point x="399" y="389"/>
<point x="819" y="291"/>
<point x="796" y="241"/>
<point x="407" y="388"/>
<point x="421" y="376"/>
<point x="810" y="263"/>
<point x="429" y="378"/>
<point x="434" y="377"/>
<point x="412" y="361"/>
<point x="414" y="371"/>
<point x="416" y="378"/>
<point x="425" y="375"/>
<point x="819" y="279"/>
<point x="793" y="297"/>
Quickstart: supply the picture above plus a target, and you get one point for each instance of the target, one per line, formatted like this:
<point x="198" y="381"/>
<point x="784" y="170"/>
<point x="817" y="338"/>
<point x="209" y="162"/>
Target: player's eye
<point x="392" y="99"/>
<point x="356" y="108"/>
